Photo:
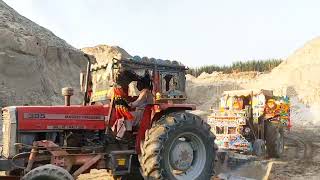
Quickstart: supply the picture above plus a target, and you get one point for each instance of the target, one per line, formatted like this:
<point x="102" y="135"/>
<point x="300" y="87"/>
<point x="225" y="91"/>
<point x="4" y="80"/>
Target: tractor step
<point x="121" y="161"/>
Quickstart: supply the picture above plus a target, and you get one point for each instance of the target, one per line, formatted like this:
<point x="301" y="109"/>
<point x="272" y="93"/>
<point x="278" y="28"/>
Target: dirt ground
<point x="301" y="159"/>
<point x="302" y="156"/>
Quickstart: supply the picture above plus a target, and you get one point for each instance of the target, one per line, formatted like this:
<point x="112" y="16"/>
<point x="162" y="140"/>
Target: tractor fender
<point x="161" y="109"/>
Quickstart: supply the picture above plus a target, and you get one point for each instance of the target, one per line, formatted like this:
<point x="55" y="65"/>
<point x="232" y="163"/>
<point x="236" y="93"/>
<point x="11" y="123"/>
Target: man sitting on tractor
<point x="145" y="98"/>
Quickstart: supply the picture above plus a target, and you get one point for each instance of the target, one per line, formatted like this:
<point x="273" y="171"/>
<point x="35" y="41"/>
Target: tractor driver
<point x="145" y="98"/>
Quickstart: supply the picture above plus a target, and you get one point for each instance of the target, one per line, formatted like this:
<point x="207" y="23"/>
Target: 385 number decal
<point x="34" y="116"/>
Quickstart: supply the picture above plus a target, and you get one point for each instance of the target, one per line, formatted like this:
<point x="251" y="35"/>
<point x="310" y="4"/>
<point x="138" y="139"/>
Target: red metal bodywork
<point x="62" y="117"/>
<point x="38" y="118"/>
<point x="42" y="118"/>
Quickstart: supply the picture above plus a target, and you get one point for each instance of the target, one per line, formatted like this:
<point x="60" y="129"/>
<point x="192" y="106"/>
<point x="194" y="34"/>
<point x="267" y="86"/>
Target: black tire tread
<point x="48" y="170"/>
<point x="271" y="139"/>
<point x="155" y="137"/>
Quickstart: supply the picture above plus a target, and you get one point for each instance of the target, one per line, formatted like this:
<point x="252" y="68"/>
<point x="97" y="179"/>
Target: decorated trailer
<point x="251" y="121"/>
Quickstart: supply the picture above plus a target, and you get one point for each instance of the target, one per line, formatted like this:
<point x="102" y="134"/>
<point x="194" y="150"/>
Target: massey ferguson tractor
<point x="62" y="142"/>
<point x="251" y="121"/>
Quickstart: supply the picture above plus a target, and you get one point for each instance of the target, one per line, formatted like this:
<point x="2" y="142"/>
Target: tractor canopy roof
<point x="168" y="76"/>
<point x="137" y="62"/>
<point x="248" y="92"/>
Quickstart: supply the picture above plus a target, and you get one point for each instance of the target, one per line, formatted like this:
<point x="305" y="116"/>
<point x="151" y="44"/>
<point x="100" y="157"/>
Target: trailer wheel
<point x="48" y="172"/>
<point x="179" y="146"/>
<point x="274" y="140"/>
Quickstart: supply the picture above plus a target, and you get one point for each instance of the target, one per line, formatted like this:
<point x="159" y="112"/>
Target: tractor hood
<point x="39" y="118"/>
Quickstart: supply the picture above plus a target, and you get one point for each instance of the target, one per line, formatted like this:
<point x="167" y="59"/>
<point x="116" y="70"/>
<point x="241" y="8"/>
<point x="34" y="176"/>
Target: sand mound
<point x="105" y="53"/>
<point x="298" y="76"/>
<point x="206" y="89"/>
<point x="189" y="77"/>
<point x="34" y="63"/>
<point x="240" y="77"/>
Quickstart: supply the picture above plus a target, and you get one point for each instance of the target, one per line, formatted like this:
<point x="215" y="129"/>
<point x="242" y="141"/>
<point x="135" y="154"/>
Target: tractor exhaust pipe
<point x="67" y="92"/>
<point x="86" y="98"/>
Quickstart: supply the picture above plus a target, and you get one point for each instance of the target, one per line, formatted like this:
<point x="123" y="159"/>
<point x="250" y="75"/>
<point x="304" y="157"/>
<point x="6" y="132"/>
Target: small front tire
<point x="48" y="172"/>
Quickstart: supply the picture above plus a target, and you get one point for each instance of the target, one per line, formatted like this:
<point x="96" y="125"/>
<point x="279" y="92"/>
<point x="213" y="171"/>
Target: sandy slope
<point x="205" y="91"/>
<point x="298" y="75"/>
<point x="34" y="63"/>
<point x="105" y="53"/>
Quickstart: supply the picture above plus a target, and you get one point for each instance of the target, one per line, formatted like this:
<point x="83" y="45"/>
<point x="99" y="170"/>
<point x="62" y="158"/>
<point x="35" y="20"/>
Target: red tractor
<point x="62" y="142"/>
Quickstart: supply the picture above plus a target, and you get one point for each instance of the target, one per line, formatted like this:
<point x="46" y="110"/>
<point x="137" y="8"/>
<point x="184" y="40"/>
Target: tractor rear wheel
<point x="179" y="146"/>
<point x="48" y="172"/>
<point x="274" y="140"/>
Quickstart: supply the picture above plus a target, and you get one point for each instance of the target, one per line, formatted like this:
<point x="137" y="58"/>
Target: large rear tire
<point x="180" y="146"/>
<point x="274" y="140"/>
<point x="48" y="172"/>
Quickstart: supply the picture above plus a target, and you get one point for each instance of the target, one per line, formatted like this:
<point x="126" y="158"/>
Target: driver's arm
<point x="141" y="99"/>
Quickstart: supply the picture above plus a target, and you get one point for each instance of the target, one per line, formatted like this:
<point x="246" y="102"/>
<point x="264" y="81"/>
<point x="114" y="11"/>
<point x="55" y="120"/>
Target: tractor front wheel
<point x="48" y="172"/>
<point x="179" y="146"/>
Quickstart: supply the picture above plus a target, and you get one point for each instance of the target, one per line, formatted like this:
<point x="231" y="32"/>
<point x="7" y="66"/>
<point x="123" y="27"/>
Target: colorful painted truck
<point x="251" y="121"/>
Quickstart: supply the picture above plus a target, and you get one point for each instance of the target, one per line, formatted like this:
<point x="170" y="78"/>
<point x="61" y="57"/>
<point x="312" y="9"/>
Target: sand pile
<point x="205" y="90"/>
<point x="105" y="53"/>
<point x="34" y="63"/>
<point x="240" y="77"/>
<point x="297" y="76"/>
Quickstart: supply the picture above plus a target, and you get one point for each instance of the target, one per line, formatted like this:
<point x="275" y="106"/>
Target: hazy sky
<point x="195" y="32"/>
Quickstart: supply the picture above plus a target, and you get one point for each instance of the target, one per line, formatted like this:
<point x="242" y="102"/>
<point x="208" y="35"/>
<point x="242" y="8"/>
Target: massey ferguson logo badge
<point x="61" y="116"/>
